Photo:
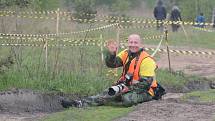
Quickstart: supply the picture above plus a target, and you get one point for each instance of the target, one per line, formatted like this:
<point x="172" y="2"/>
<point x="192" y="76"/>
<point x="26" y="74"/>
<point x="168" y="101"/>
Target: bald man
<point x="138" y="71"/>
<point x="137" y="83"/>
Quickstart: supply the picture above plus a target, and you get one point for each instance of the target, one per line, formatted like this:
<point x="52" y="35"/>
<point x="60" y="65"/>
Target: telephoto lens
<point x="115" y="89"/>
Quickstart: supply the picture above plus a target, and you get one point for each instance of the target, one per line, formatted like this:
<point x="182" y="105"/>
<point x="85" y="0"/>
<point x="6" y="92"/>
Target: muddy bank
<point x="23" y="100"/>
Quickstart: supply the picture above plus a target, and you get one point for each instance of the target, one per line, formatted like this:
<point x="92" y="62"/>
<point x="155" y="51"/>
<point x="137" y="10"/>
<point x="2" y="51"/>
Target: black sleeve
<point x="155" y="12"/>
<point x="164" y="9"/>
<point x="112" y="61"/>
<point x="180" y="16"/>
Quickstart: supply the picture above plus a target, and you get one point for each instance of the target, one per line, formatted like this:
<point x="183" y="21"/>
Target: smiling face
<point x="134" y="43"/>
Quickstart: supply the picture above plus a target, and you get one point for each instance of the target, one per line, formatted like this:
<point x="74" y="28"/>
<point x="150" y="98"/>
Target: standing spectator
<point x="200" y="20"/>
<point x="174" y="17"/>
<point x="159" y="14"/>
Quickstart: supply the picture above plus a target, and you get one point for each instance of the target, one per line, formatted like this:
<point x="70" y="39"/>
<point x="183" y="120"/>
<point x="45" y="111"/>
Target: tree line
<point x="189" y="8"/>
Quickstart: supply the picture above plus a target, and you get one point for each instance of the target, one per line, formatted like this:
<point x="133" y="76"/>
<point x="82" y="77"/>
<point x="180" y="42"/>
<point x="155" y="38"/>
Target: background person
<point x="160" y="14"/>
<point x="200" y="20"/>
<point x="174" y="17"/>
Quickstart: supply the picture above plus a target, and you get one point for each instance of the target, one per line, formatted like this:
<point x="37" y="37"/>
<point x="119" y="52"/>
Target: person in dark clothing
<point x="174" y="17"/>
<point x="160" y="14"/>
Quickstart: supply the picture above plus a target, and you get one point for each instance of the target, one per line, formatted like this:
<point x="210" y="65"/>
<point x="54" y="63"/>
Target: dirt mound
<point x="171" y="109"/>
<point x="18" y="101"/>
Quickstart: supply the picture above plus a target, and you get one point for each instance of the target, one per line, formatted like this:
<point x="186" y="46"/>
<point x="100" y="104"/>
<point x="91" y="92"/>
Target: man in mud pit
<point x="137" y="83"/>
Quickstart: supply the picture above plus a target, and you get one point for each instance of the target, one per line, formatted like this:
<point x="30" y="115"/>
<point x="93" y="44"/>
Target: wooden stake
<point x="101" y="44"/>
<point x="102" y="55"/>
<point x="46" y="47"/>
<point x="58" y="48"/>
<point x="167" y="47"/>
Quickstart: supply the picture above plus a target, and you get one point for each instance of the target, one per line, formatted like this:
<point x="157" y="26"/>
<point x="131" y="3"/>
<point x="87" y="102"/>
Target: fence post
<point x="102" y="55"/>
<point x="101" y="44"/>
<point x="46" y="48"/>
<point x="58" y="47"/>
<point x="167" y="47"/>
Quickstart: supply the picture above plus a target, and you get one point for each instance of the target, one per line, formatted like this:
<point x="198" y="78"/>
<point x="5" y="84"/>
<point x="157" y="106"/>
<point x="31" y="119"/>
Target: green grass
<point x="104" y="113"/>
<point x="189" y="37"/>
<point x="201" y="96"/>
<point x="171" y="80"/>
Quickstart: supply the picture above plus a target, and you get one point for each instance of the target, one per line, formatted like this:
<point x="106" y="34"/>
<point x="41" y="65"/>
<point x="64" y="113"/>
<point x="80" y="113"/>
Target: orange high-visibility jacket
<point x="134" y="69"/>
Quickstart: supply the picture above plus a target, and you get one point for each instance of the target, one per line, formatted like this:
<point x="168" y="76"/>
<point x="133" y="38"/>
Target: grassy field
<point x="201" y="96"/>
<point x="104" y="113"/>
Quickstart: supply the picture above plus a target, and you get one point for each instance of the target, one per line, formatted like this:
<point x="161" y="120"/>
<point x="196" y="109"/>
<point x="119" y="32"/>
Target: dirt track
<point x="170" y="109"/>
<point x="201" y="65"/>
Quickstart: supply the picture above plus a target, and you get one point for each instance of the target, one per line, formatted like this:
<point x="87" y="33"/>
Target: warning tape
<point x="204" y="29"/>
<point x="93" y="29"/>
<point x="136" y="27"/>
<point x="47" y="35"/>
<point x="30" y="17"/>
<point x="30" y="39"/>
<point x="27" y="35"/>
<point x="122" y="20"/>
<point x="51" y="45"/>
<point x="184" y="52"/>
<point x="21" y="38"/>
<point x="36" y="12"/>
<point x="138" y="21"/>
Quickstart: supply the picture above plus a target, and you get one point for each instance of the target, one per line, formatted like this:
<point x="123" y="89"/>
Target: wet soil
<point x="27" y="105"/>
